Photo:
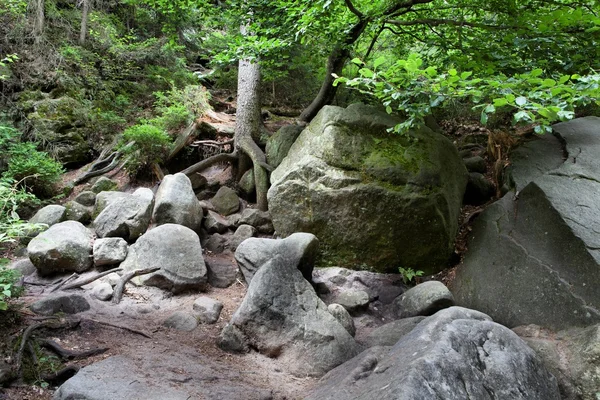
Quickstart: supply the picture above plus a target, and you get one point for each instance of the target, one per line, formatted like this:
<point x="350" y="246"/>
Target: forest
<point x="93" y="86"/>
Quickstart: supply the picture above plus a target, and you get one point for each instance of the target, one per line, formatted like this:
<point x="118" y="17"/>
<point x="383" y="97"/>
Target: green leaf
<point x="536" y="72"/>
<point x="452" y="72"/>
<point x="521" y="101"/>
<point x="431" y="71"/>
<point x="356" y="61"/>
<point x="548" y="83"/>
<point x="500" y="102"/>
<point x="484" y="118"/>
<point x="466" y="74"/>
<point x="489" y="109"/>
<point x="388" y="109"/>
<point x="437" y="101"/>
<point x="379" y="61"/>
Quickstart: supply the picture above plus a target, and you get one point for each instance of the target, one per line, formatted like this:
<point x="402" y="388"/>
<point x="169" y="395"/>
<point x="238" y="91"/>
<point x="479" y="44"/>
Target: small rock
<point x="246" y="183"/>
<point x="198" y="181"/>
<point x="86" y="198"/>
<point x="68" y="304"/>
<point x="343" y="317"/>
<point x="216" y="243"/>
<point x="78" y="212"/>
<point x="102" y="291"/>
<point x="242" y="233"/>
<point x="479" y="190"/>
<point x="108" y="251"/>
<point x="221" y="274"/>
<point x="214" y="223"/>
<point x="353" y="300"/>
<point x="24" y="266"/>
<point x="226" y="201"/>
<point x="176" y="203"/>
<point x="234" y="219"/>
<point x="261" y="220"/>
<point x="103" y="184"/>
<point x="207" y="310"/>
<point x="111" y="279"/>
<point x="475" y="164"/>
<point x="181" y="321"/>
<point x="424" y="299"/>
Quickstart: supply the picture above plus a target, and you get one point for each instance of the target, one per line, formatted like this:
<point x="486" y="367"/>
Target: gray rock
<point x="343" y="317"/>
<point x="543" y="244"/>
<point x="300" y="250"/>
<point x="247" y="184"/>
<point x="572" y="356"/>
<point x="198" y="181"/>
<point x="123" y="215"/>
<point x="396" y="200"/>
<point x="176" y="250"/>
<point x="242" y="233"/>
<point x="181" y="321"/>
<point x="104" y="184"/>
<point x="279" y="144"/>
<point x="353" y="300"/>
<point x="424" y="299"/>
<point x="390" y="333"/>
<point x="226" y="201"/>
<point x="78" y="212"/>
<point x="455" y="354"/>
<point x="207" y="310"/>
<point x="234" y="219"/>
<point x="86" y="198"/>
<point x="479" y="190"/>
<point x="214" y="223"/>
<point x="261" y="220"/>
<point x="216" y="243"/>
<point x="66" y="246"/>
<point x="24" y="266"/>
<point x="102" y="291"/>
<point x="49" y="215"/>
<point x="108" y="251"/>
<point x="475" y="164"/>
<point x="221" y="274"/>
<point x="281" y="316"/>
<point x="65" y="303"/>
<point x="176" y="203"/>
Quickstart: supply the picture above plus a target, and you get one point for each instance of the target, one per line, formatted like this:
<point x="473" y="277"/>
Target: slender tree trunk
<point x="85" y="9"/>
<point x="38" y="24"/>
<point x="247" y="125"/>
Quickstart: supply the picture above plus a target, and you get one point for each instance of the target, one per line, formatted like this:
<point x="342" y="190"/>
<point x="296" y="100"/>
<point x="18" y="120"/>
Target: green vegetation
<point x="150" y="145"/>
<point x="408" y="274"/>
<point x="8" y="288"/>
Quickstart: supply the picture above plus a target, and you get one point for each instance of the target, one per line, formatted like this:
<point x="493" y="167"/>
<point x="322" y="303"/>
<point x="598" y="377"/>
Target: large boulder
<point x="176" y="203"/>
<point x="279" y="144"/>
<point x="281" y="316"/>
<point x="455" y="354"/>
<point x="534" y="255"/>
<point x="176" y="250"/>
<point x="300" y="250"/>
<point x="375" y="199"/>
<point x="125" y="215"/>
<point x="66" y="246"/>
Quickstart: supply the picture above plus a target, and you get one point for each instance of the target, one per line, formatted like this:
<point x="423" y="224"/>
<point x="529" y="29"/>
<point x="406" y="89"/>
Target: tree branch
<point x="353" y="9"/>
<point x="437" y="22"/>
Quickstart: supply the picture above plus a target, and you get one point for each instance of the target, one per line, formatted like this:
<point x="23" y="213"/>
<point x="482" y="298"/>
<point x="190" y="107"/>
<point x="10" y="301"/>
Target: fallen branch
<point x="70" y="354"/>
<point x="63" y="282"/>
<point x="214" y="143"/>
<point x="209" y="162"/>
<point x="120" y="286"/>
<point x="126" y="328"/>
<point x="90" y="279"/>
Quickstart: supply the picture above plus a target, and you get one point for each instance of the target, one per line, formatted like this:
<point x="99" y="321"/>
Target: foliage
<point x="150" y="145"/>
<point x="8" y="288"/>
<point x="179" y="107"/>
<point x="408" y="274"/>
<point x="415" y="90"/>
<point x="11" y="198"/>
<point x="4" y="62"/>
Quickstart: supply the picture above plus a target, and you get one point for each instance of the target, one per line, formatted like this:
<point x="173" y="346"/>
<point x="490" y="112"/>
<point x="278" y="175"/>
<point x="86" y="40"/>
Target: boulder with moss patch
<point x="375" y="199"/>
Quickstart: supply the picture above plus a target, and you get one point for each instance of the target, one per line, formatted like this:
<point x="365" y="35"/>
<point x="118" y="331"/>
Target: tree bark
<point x="85" y="8"/>
<point x="38" y="24"/>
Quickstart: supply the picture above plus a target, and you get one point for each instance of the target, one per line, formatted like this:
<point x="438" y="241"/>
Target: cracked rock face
<point x="534" y="257"/>
<point x="374" y="199"/>
<point x="455" y="354"/>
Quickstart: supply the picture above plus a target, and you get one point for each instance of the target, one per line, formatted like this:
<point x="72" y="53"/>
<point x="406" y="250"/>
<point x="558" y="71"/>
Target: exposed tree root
<point x="120" y="286"/>
<point x="59" y="377"/>
<point x="103" y="164"/>
<point x="90" y="279"/>
<point x="126" y="328"/>
<point x="70" y="354"/>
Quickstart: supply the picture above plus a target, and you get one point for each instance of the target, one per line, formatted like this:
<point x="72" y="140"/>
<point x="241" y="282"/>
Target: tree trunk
<point x="247" y="125"/>
<point x="335" y="64"/>
<point x="85" y="8"/>
<point x="38" y="24"/>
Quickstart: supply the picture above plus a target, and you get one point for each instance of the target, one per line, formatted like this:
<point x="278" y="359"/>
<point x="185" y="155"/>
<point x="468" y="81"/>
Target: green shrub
<point x="150" y="145"/>
<point x="8" y="288"/>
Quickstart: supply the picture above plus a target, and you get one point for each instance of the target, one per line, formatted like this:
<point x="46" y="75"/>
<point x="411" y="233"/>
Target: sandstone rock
<point x="300" y="249"/>
<point x="123" y="215"/>
<point x="176" y="250"/>
<point x="109" y="251"/>
<point x="281" y="316"/>
<point x="176" y="203"/>
<point x="424" y="299"/>
<point x="226" y="201"/>
<point x="396" y="200"/>
<point x="207" y="310"/>
<point x="66" y="246"/>
<point x="65" y="303"/>
<point x="455" y="354"/>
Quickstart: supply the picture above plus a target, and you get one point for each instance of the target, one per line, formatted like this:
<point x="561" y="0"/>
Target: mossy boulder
<point x="375" y="199"/>
<point x="59" y="124"/>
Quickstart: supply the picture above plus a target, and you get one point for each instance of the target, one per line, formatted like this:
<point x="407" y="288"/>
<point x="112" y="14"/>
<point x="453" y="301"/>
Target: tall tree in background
<point x="39" y="20"/>
<point x="85" y="9"/>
